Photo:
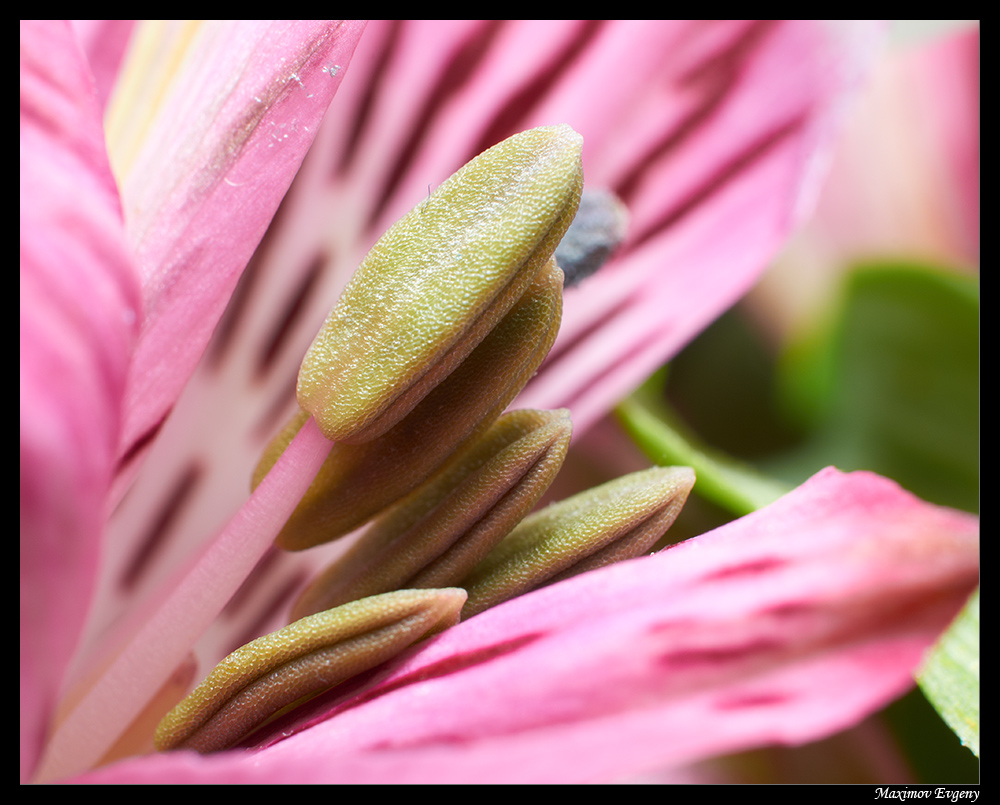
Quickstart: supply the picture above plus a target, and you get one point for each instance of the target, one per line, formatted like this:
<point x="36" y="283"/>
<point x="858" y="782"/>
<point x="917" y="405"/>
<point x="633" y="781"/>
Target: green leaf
<point x="950" y="675"/>
<point x="721" y="479"/>
<point x="892" y="384"/>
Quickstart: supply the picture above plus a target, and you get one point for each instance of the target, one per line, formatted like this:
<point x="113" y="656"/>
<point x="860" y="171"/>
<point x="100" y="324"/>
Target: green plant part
<point x="436" y="535"/>
<point x="438" y="281"/>
<point x="278" y="671"/>
<point x="358" y="481"/>
<point x="618" y="520"/>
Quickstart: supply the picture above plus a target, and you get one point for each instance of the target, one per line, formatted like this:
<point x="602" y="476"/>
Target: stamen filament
<point x="183" y="614"/>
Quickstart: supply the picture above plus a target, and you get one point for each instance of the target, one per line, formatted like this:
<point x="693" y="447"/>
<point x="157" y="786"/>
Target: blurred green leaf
<point x="892" y="384"/>
<point x="950" y="675"/>
<point x="888" y="382"/>
<point x="721" y="479"/>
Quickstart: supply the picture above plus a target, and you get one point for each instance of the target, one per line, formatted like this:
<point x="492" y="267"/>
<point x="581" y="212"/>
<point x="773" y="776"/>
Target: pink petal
<point x="220" y="154"/>
<point x="715" y="134"/>
<point x="782" y="627"/>
<point x="104" y="43"/>
<point x="79" y="310"/>
<point x="170" y="625"/>
<point x="903" y="183"/>
<point x="906" y="177"/>
<point x="718" y="153"/>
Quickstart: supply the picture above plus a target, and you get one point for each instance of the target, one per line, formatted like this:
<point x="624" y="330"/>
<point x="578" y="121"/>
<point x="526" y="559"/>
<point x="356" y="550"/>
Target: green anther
<point x="436" y="535"/>
<point x="358" y="481"/>
<point x="269" y="675"/>
<point x="438" y="281"/>
<point x="618" y="520"/>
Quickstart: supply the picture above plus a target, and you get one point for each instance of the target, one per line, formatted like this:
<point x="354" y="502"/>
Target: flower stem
<point x="185" y="612"/>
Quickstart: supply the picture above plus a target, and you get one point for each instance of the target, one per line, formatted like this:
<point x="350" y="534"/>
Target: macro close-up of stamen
<point x="499" y="401"/>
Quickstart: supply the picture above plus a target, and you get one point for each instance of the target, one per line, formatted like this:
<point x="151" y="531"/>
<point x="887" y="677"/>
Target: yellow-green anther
<point x="438" y="533"/>
<point x="438" y="281"/>
<point x="269" y="675"/>
<point x="358" y="481"/>
<point x="618" y="520"/>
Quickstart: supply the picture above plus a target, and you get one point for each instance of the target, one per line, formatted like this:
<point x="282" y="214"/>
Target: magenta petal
<point x="731" y="640"/>
<point x="782" y="627"/>
<point x="79" y="311"/>
<point x="713" y="132"/>
<point x="104" y="43"/>
<point x="716" y="145"/>
<point x="223" y="149"/>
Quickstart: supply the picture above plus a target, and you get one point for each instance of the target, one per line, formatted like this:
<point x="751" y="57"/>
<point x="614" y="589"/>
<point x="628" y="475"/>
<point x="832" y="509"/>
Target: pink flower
<point x="903" y="183"/>
<point x="733" y="639"/>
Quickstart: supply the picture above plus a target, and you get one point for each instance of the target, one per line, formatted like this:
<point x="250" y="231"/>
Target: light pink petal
<point x="80" y="306"/>
<point x="782" y="627"/>
<point x="218" y="157"/>
<point x="170" y="625"/>
<point x="906" y="178"/>
<point x="714" y="133"/>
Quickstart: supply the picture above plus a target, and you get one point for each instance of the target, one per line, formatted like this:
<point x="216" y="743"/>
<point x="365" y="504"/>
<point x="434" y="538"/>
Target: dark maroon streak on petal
<point x="155" y="537"/>
<point x="719" y="658"/>
<point x="361" y="115"/>
<point x="229" y="324"/>
<point x="753" y="568"/>
<point x="752" y="700"/>
<point x="511" y="117"/>
<point x="139" y="446"/>
<point x="266" y="608"/>
<point x="460" y="69"/>
<point x="723" y="175"/>
<point x="716" y="74"/>
<point x="292" y="308"/>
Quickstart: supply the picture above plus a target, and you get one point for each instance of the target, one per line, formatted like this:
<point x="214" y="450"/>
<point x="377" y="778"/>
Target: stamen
<point x="438" y="281"/>
<point x="596" y="233"/>
<point x="358" y="481"/>
<point x="436" y="535"/>
<point x="618" y="520"/>
<point x="285" y="668"/>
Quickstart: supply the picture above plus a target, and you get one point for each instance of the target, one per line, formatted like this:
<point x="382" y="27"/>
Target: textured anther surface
<point x="435" y="535"/>
<point x="437" y="281"/>
<point x="358" y="481"/>
<point x="259" y="680"/>
<point x="621" y="519"/>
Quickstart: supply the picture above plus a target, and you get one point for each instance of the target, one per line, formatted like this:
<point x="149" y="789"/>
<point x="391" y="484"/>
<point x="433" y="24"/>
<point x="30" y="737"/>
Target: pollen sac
<point x="596" y="233"/>
<point x="267" y="676"/>
<point x="437" y="534"/>
<point x="618" y="520"/>
<point x="358" y="481"/>
<point x="438" y="282"/>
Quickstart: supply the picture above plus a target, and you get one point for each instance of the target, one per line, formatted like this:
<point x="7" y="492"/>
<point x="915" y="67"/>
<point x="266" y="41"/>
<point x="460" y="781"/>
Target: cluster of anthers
<point x="447" y="318"/>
